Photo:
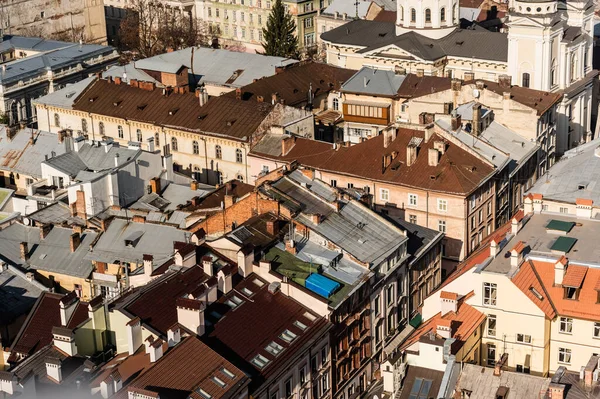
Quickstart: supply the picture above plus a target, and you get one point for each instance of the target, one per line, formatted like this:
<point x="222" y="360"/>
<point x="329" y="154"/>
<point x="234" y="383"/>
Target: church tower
<point x="535" y="30"/>
<point x="431" y="18"/>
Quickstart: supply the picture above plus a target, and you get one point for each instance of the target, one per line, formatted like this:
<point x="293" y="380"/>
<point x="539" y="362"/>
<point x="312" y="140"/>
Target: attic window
<point x="460" y="43"/>
<point x="117" y="103"/>
<point x="382" y="34"/>
<point x="230" y="122"/>
<point x="228" y="373"/>
<point x="204" y="394"/>
<point x="202" y="116"/>
<point x="258" y="282"/>
<point x="274" y="348"/>
<point x="173" y="111"/>
<point x="536" y="293"/>
<point x="218" y="381"/>
<point x="300" y="325"/>
<point x="581" y="186"/>
<point x="233" y="302"/>
<point x="247" y="291"/>
<point x="92" y="99"/>
<point x="571" y="293"/>
<point x="288" y="336"/>
<point x="310" y="316"/>
<point x="260" y="361"/>
<point x="141" y="107"/>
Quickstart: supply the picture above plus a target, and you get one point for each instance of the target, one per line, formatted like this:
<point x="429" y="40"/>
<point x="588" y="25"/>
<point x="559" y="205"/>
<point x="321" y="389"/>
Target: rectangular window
<point x="442" y="205"/>
<point x="489" y="294"/>
<point x="209" y="10"/>
<point x="564" y="355"/>
<point x="412" y="219"/>
<point x="412" y="199"/>
<point x="333" y="183"/>
<point x="390" y="295"/>
<point x="384" y="194"/>
<point x="323" y="356"/>
<point x="314" y="364"/>
<point x="308" y="7"/>
<point x="377" y="306"/>
<point x="491" y="326"/>
<point x="288" y="388"/>
<point x="564" y="209"/>
<point x="308" y="23"/>
<point x="491" y="355"/>
<point x="442" y="226"/>
<point x="303" y="374"/>
<point x="566" y="325"/>
<point x="524" y="338"/>
<point x="596" y="330"/>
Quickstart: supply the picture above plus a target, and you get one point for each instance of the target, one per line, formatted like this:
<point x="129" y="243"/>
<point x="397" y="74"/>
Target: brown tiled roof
<point x="293" y="82"/>
<point x="261" y="318"/>
<point x="458" y="172"/>
<point x="155" y="303"/>
<point x="214" y="199"/>
<point x="186" y="368"/>
<point x="37" y="330"/>
<point x="128" y="366"/>
<point x="471" y="3"/>
<point x="220" y="116"/>
<point x="541" y="101"/>
<point x="415" y="86"/>
<point x="385" y="16"/>
<point x="574" y="276"/>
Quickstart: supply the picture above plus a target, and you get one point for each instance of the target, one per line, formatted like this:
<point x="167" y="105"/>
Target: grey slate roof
<point x="217" y="66"/>
<point x="178" y="194"/>
<point x="18" y="155"/>
<point x="128" y="72"/>
<point x="17" y="295"/>
<point x="57" y="213"/>
<point x="468" y="43"/>
<point x="374" y="81"/>
<point x="148" y="239"/>
<point x="576" y="175"/>
<point x="65" y="97"/>
<point x="10" y="240"/>
<point x="484" y="385"/>
<point x="418" y="236"/>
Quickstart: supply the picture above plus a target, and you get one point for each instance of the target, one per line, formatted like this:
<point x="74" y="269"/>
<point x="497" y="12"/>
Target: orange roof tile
<point x="449" y="295"/>
<point x="519" y="247"/>
<point x="444" y="322"/>
<point x="536" y="196"/>
<point x="574" y="276"/>
<point x="528" y="282"/>
<point x="519" y="216"/>
<point x="597" y="287"/>
<point x="466" y="318"/>
<point x="586" y="202"/>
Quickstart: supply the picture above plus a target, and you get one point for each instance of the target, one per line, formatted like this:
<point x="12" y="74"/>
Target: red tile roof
<point x="519" y="215"/>
<point x="458" y="172"/>
<point x="574" y="276"/>
<point x="184" y="369"/>
<point x="449" y="295"/>
<point x="214" y="200"/>
<point x="519" y="247"/>
<point x="415" y="86"/>
<point x="465" y="321"/>
<point x="221" y="116"/>
<point x="582" y="201"/>
<point x="155" y="303"/>
<point x="36" y="332"/>
<point x="527" y="280"/>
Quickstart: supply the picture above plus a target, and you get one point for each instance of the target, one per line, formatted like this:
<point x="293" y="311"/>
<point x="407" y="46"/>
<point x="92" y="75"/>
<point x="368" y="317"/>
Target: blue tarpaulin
<point x="321" y="285"/>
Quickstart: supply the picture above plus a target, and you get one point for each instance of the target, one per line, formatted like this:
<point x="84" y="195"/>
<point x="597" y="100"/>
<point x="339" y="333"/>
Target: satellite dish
<point x="26" y="221"/>
<point x="475" y="93"/>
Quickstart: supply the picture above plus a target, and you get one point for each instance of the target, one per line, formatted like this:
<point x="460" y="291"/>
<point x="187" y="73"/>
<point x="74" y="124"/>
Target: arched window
<point x="427" y="15"/>
<point x="101" y="128"/>
<point x="173" y="143"/>
<point x="413" y="15"/>
<point x="525" y="80"/>
<point x="401" y="11"/>
<point x="336" y="104"/>
<point x="219" y="178"/>
<point x="218" y="153"/>
<point x="195" y="147"/>
<point x="454" y="13"/>
<point x="120" y="131"/>
<point x="157" y="139"/>
<point x="239" y="157"/>
<point x="56" y="120"/>
<point x="443" y="14"/>
<point x="196" y="172"/>
<point x="140" y="138"/>
<point x="84" y="125"/>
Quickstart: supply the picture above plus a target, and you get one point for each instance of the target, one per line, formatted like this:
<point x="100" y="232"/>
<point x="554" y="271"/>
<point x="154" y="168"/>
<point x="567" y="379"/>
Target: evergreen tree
<point x="280" y="33"/>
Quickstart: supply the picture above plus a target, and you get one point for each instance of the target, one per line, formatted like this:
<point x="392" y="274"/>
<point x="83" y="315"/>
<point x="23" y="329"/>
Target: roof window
<point x="536" y="293"/>
<point x="258" y="282"/>
<point x="233" y="302"/>
<point x="300" y="325"/>
<point x="203" y="393"/>
<point x="218" y="381"/>
<point x="228" y="373"/>
<point x="310" y="316"/>
<point x="247" y="291"/>
<point x="288" y="336"/>
<point x="260" y="361"/>
<point x="274" y="348"/>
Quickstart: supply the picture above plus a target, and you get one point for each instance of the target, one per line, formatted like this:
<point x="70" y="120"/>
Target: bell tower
<point x="432" y="18"/>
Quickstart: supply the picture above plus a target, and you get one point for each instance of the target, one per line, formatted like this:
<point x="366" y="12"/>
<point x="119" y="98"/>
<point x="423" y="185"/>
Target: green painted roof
<point x="560" y="225"/>
<point x="563" y="244"/>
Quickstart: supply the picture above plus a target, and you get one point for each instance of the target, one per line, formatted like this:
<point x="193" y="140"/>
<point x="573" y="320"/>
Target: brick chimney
<point x="238" y="93"/>
<point x="456" y="121"/>
<point x="420" y="73"/>
<point x="272" y="227"/>
<point x="44" y="230"/>
<point x="411" y="154"/>
<point x="290" y="246"/>
<point x="138" y="219"/>
<point x="476" y="123"/>
<point x="74" y="241"/>
<point x="155" y="185"/>
<point x="287" y="143"/>
<point x="193" y="185"/>
<point x="504" y="81"/>
<point x="274" y="98"/>
<point x="24" y="251"/>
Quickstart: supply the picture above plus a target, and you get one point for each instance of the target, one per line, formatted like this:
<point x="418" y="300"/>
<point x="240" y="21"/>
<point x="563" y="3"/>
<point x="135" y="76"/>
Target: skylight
<point x="310" y="316"/>
<point x="300" y="325"/>
<point x="233" y="302"/>
<point x="260" y="361"/>
<point x="536" y="293"/>
<point x="274" y="348"/>
<point x="288" y="336"/>
<point x="247" y="291"/>
<point x="218" y="381"/>
<point x="258" y="282"/>
<point x="204" y="394"/>
<point x="228" y="373"/>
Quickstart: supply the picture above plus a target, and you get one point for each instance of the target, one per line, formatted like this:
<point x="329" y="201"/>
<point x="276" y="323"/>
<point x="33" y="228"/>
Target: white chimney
<point x="148" y="264"/>
<point x="154" y="347"/>
<point x="207" y="265"/>
<point x="444" y="328"/>
<point x="64" y="339"/>
<point x="54" y="369"/>
<point x="515" y="225"/>
<point x="150" y="141"/>
<point x="559" y="270"/>
<point x="516" y="254"/>
<point x="116" y="160"/>
<point x="134" y="335"/>
<point x="78" y="142"/>
<point x="448" y="302"/>
<point x="224" y="279"/>
<point x="173" y="335"/>
<point x="68" y="304"/>
<point x="107" y="387"/>
<point x="494" y="248"/>
<point x="190" y="314"/>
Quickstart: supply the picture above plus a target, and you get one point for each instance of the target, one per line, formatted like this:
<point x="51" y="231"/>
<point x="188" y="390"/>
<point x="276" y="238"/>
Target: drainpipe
<point x="205" y="158"/>
<point x="246" y="162"/>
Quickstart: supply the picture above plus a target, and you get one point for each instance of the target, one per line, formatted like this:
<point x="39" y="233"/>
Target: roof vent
<point x="92" y="99"/>
<point x="274" y="287"/>
<point x="141" y="107"/>
<point x="230" y="122"/>
<point x="173" y="111"/>
<point x="117" y="103"/>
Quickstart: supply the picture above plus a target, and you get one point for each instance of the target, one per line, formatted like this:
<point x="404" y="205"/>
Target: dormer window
<point x="571" y="293"/>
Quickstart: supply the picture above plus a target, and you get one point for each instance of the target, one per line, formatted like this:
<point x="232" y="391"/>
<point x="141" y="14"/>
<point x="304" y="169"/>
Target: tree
<point x="280" y="33"/>
<point x="150" y="28"/>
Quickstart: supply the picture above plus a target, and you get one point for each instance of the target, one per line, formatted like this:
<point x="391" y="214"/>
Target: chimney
<point x="68" y="304"/>
<point x="287" y="143"/>
<point x="30" y="276"/>
<point x="515" y="225"/>
<point x="494" y="248"/>
<point x="559" y="270"/>
<point x="238" y="93"/>
<point x="224" y="277"/>
<point x="202" y="95"/>
<point x="54" y="369"/>
<point x="274" y="98"/>
<point x="260" y="99"/>
<point x="190" y="314"/>
<point x="448" y="108"/>
<point x="428" y="133"/>
<point x="193" y="185"/>
<point x="155" y="185"/>
<point x="434" y="157"/>
<point x="588" y="371"/>
<point x="173" y="335"/>
<point x="61" y="136"/>
<point x="154" y="347"/>
<point x="500" y="363"/>
<point x="504" y="81"/>
<point x="74" y="242"/>
<point x="116" y="160"/>
<point x="207" y="265"/>
<point x="117" y="80"/>
<point x="134" y="83"/>
<point x="229" y="198"/>
<point x="420" y="73"/>
<point x="150" y="143"/>
<point x="444" y="328"/>
<point x="556" y="391"/>
<point x="476" y="123"/>
<point x="290" y="246"/>
<point x="315" y="218"/>
<point x="134" y="335"/>
<point x="389" y="135"/>
<point x="469" y="76"/>
<point x="272" y="227"/>
<point x="44" y="230"/>
<point x="148" y="264"/>
<point x="456" y="84"/>
<point x="138" y="219"/>
<point x="448" y="302"/>
<point x="411" y="154"/>
<point x="64" y="339"/>
<point x="456" y="122"/>
<point x="480" y="85"/>
<point x="24" y="251"/>
<point x="516" y="254"/>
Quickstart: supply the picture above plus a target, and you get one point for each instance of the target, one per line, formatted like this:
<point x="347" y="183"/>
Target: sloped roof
<point x="527" y="280"/>
<point x="416" y="86"/>
<point x="372" y="81"/>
